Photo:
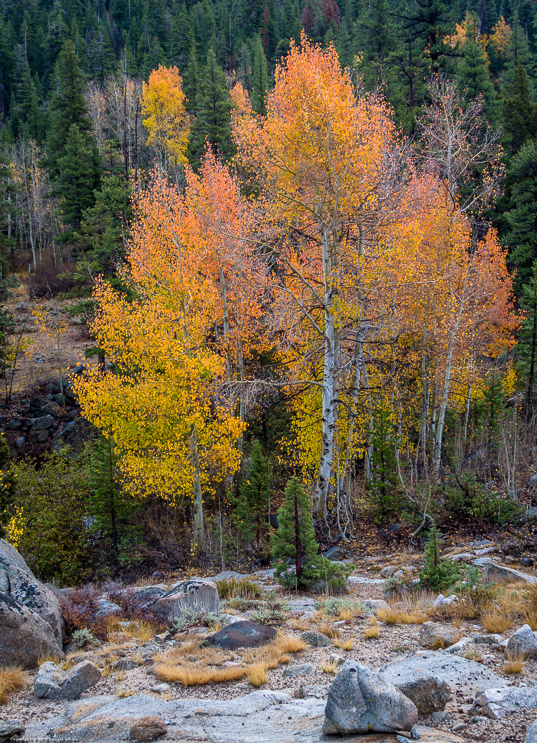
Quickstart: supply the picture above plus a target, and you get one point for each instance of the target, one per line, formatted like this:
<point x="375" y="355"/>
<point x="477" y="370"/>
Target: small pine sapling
<point x="251" y="508"/>
<point x="295" y="549"/>
<point x="438" y="573"/>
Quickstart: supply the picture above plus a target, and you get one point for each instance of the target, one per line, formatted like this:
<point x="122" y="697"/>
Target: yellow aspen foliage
<point x="159" y="401"/>
<point x="164" y="115"/>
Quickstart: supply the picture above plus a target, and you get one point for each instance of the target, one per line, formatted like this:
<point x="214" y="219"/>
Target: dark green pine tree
<point x="7" y="64"/>
<point x="429" y="22"/>
<point x="7" y="481"/>
<point x="473" y="77"/>
<point x="78" y="176"/>
<point x="384" y="489"/>
<point x="7" y="218"/>
<point x="68" y="106"/>
<point x="522" y="216"/>
<point x="213" y="119"/>
<point x="99" y="244"/>
<point x="294" y="542"/>
<point x="527" y="344"/>
<point x="438" y="573"/>
<point x="260" y="78"/>
<point x="28" y="119"/>
<point x="191" y="82"/>
<point x="111" y="512"/>
<point x="519" y="112"/>
<point x="251" y="508"/>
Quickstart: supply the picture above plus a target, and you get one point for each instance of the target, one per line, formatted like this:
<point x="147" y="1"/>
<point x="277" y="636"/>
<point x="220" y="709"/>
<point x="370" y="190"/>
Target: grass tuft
<point x="12" y="679"/>
<point x="495" y="622"/>
<point x="344" y="644"/>
<point x="329" y="666"/>
<point x="514" y="663"/>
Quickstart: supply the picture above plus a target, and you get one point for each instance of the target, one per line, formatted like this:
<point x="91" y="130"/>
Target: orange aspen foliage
<point x="164" y="115"/>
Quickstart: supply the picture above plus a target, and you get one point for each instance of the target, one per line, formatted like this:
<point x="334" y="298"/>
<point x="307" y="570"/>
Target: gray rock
<point x="360" y="580"/>
<point x="53" y="683"/>
<point x="191" y="595"/>
<point x="334" y="553"/>
<point x="374" y="605"/>
<point x="533" y="481"/>
<point x="242" y="635"/>
<point x="315" y="639"/>
<point x="485" y="551"/>
<point x="21" y="585"/>
<point x="442" y="600"/>
<point x="42" y="423"/>
<point x="107" y="608"/>
<point x="462" y="557"/>
<point x="494" y="573"/>
<point x="388" y="571"/>
<point x="522" y="643"/>
<point x="460" y="673"/>
<point x="360" y="700"/>
<point x="429" y="693"/>
<point x="482" y="562"/>
<point x="459" y="646"/>
<point x="435" y="635"/>
<point x="10" y="730"/>
<point x="148" y="729"/>
<point x="25" y="636"/>
<point x="302" y="606"/>
<point x="442" y="718"/>
<point x="496" y="703"/>
<point x="531" y="730"/>
<point x="305" y="669"/>
<point x="488" y="639"/>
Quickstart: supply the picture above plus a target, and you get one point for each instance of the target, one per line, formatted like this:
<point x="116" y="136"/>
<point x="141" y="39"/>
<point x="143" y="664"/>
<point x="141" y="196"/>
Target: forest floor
<point x="138" y="659"/>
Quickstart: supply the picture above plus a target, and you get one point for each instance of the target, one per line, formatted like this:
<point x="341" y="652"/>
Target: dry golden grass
<point x="401" y="616"/>
<point x="193" y="664"/>
<point x="495" y="622"/>
<point x="332" y="632"/>
<point x="122" y="693"/>
<point x="49" y="659"/>
<point x="329" y="666"/>
<point x="141" y="631"/>
<point x="371" y="632"/>
<point x="530" y="617"/>
<point x="300" y="625"/>
<point x="345" y="615"/>
<point x="514" y="663"/>
<point x="344" y="644"/>
<point x="11" y="680"/>
<point x="257" y="674"/>
<point x="289" y="644"/>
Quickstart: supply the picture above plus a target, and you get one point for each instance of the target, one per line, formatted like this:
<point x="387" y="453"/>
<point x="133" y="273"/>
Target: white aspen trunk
<point x="329" y="388"/>
<point x="439" y="432"/>
<point x="358" y="362"/>
<point x="197" y="492"/>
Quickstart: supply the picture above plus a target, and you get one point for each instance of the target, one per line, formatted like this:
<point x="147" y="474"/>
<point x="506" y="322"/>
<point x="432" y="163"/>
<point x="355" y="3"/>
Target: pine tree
<point x="519" y="112"/>
<point x="213" y="120"/>
<point x="527" y="344"/>
<point x="438" y="573"/>
<point x="68" y="106"/>
<point x="294" y="542"/>
<point x="295" y="549"/>
<point x="251" y="508"/>
<point x="111" y="513"/>
<point x="78" y="177"/>
<point x="260" y="79"/>
<point x="522" y="216"/>
<point x="472" y="74"/>
<point x="100" y="244"/>
<point x="7" y="485"/>
<point x="384" y="490"/>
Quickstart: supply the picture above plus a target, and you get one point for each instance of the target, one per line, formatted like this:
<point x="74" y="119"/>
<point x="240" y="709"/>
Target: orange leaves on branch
<point x="164" y="115"/>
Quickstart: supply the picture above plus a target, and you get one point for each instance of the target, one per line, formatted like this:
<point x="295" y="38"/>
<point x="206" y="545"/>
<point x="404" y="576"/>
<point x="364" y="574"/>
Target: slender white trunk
<point x="329" y="388"/>
<point x="197" y="492"/>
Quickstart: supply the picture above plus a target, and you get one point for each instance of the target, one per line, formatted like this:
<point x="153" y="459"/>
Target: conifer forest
<point x="284" y="255"/>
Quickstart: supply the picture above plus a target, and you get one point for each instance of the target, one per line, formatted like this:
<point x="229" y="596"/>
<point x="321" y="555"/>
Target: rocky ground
<point x="411" y="641"/>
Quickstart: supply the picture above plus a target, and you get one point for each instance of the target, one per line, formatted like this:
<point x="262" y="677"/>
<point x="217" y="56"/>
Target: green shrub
<point x="56" y="537"/>
<point x="468" y="499"/>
